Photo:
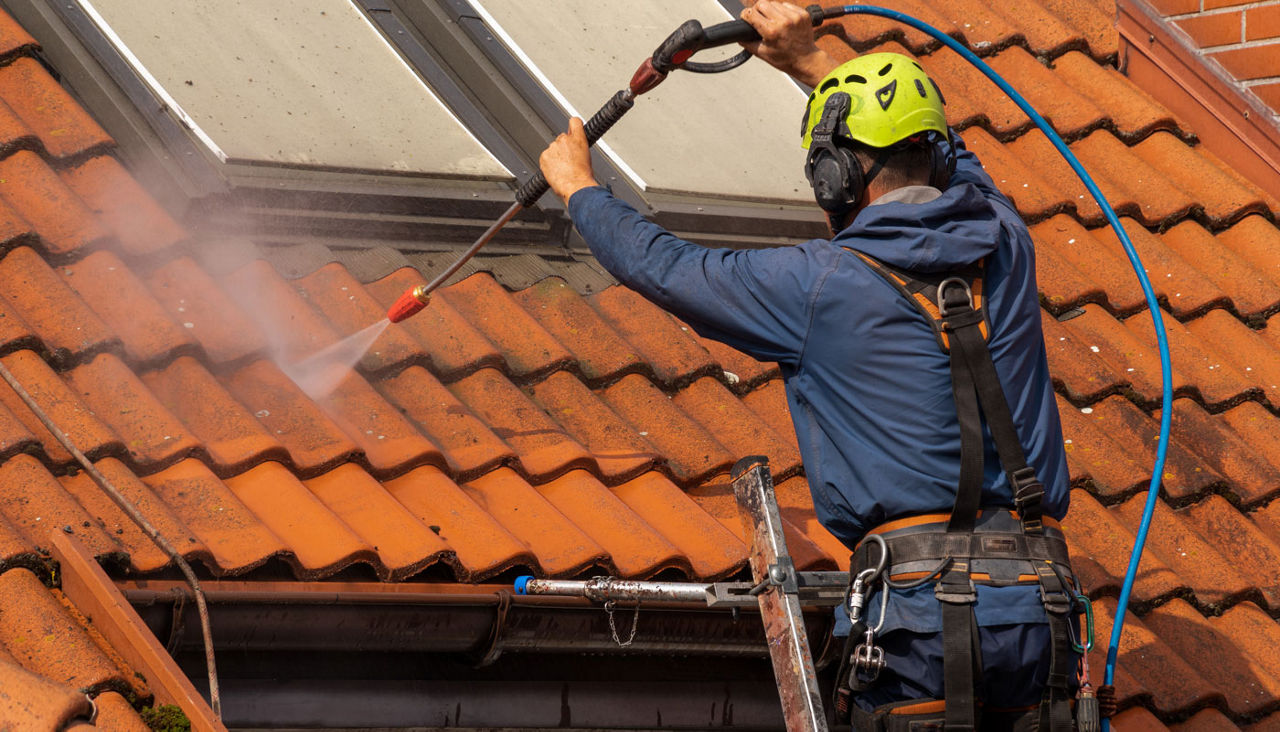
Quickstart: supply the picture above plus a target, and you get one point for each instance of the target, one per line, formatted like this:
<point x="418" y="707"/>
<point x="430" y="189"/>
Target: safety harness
<point x="995" y="547"/>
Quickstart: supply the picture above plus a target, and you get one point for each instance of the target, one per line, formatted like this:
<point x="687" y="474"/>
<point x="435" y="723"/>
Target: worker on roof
<point x="869" y="379"/>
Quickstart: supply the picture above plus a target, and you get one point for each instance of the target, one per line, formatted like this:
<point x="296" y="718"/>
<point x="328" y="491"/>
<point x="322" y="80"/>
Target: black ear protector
<point x="832" y="168"/>
<point x="838" y="180"/>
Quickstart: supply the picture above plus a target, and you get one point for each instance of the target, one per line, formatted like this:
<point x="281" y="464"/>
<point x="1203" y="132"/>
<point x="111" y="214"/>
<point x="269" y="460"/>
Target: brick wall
<point x="1243" y="36"/>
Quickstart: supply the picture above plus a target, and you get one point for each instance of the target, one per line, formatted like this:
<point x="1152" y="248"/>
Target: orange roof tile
<point x="568" y="434"/>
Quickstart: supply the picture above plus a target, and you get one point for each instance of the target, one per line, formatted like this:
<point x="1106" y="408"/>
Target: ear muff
<point x="942" y="160"/>
<point x="833" y="169"/>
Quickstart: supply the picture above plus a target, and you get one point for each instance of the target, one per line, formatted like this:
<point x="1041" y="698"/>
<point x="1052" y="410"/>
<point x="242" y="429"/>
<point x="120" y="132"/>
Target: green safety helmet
<point x="891" y="99"/>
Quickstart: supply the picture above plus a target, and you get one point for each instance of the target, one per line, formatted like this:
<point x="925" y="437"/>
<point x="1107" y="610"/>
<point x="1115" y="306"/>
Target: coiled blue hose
<point x="1166" y="380"/>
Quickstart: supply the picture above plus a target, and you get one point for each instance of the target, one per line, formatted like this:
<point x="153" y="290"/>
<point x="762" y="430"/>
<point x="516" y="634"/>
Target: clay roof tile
<point x="64" y="128"/>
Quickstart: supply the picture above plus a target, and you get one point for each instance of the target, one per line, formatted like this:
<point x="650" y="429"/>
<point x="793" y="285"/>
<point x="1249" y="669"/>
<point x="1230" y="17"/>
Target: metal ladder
<point x="778" y="589"/>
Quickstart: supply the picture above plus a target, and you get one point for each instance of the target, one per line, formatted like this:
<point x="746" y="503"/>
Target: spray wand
<point x="674" y="53"/>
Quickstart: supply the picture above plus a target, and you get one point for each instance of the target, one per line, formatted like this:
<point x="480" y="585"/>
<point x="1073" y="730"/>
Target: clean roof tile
<point x="194" y="301"/>
<point x="712" y="550"/>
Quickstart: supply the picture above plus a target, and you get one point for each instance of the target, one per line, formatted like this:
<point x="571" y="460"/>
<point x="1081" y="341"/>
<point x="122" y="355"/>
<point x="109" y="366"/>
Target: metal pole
<point x="606" y="589"/>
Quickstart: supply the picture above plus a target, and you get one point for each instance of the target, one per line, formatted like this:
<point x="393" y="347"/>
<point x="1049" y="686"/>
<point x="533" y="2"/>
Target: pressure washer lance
<point x="674" y="53"/>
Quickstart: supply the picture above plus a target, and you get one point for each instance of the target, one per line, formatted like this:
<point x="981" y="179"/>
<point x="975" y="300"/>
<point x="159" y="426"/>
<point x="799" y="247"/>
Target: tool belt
<point x="969" y="546"/>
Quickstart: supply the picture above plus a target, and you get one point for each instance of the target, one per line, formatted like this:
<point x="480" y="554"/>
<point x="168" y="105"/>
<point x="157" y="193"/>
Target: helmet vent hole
<point x="829" y="84"/>
<point x="918" y="66"/>
<point x="920" y="88"/>
<point x="855" y="78"/>
<point x="887" y="68"/>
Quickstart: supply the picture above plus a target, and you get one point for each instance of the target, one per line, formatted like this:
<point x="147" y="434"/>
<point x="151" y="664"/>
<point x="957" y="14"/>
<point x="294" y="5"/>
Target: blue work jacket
<point x="868" y="386"/>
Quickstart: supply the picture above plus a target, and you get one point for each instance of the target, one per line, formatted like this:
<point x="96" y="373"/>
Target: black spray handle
<point x="595" y="128"/>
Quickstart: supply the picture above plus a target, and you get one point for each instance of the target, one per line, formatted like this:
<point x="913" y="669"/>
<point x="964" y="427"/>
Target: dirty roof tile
<point x="666" y="345"/>
<point x="14" y="133"/>
<point x="63" y="322"/>
<point x="1224" y="194"/>
<point x="1078" y="369"/>
<point x="736" y="427"/>
<point x="1208" y="647"/>
<point x="528" y="349"/>
<point x="232" y="437"/>
<point x="14" y="436"/>
<point x="1128" y="356"/>
<point x="1252" y="294"/>
<point x="769" y="402"/>
<point x="1062" y="284"/>
<point x="561" y="546"/>
<point x="1186" y="290"/>
<point x="47" y="641"/>
<point x="1131" y="184"/>
<point x="63" y="126"/>
<point x="390" y="443"/>
<point x="635" y="549"/>
<point x="483" y="547"/>
<point x="692" y="453"/>
<point x="36" y="504"/>
<point x="315" y="443"/>
<point x="1131" y="111"/>
<point x="1066" y="107"/>
<point x="1256" y="425"/>
<point x="861" y="30"/>
<point x="739" y="371"/>
<point x="114" y="712"/>
<point x="1205" y="370"/>
<point x="195" y="302"/>
<point x="1213" y="578"/>
<point x="1109" y="279"/>
<point x="14" y="331"/>
<point x="1255" y="240"/>
<point x="28" y="698"/>
<point x="144" y="555"/>
<point x="14" y="39"/>
<point x="454" y="345"/>
<point x="619" y="451"/>
<point x="321" y="543"/>
<point x="1173" y="681"/>
<point x="1094" y="452"/>
<point x="1185" y="474"/>
<point x="468" y="445"/>
<point x="152" y="435"/>
<point x="1102" y="536"/>
<point x="403" y="543"/>
<point x="1232" y="535"/>
<point x="1019" y="176"/>
<point x="544" y="448"/>
<point x="61" y="218"/>
<point x="1249" y="476"/>
<point x="293" y="328"/>
<point x="136" y="220"/>
<point x="125" y="305"/>
<point x="712" y="550"/>
<point x="600" y="353"/>
<point x="63" y="406"/>
<point x="350" y="309"/>
<point x="236" y="538"/>
<point x="1247" y="352"/>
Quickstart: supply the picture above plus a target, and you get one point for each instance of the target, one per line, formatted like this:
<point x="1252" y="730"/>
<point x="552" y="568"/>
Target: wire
<point x="1166" y="380"/>
<point x="136" y="516"/>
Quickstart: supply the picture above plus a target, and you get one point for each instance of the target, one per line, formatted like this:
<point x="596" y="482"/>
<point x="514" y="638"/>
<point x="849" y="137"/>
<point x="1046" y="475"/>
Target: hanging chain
<point x="613" y="628"/>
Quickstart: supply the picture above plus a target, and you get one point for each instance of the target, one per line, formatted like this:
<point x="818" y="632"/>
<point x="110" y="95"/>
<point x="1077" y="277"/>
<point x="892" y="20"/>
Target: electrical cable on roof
<point x="136" y="516"/>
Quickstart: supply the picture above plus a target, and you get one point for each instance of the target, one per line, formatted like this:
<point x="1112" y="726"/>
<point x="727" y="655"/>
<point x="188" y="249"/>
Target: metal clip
<point x="868" y="658"/>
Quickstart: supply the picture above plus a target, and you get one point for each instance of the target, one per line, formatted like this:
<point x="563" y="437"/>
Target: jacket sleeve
<point x="969" y="170"/>
<point x="758" y="301"/>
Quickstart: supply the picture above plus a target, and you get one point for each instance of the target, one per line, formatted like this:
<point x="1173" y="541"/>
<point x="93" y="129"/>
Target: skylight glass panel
<point x="731" y="135"/>
<point x="299" y="83"/>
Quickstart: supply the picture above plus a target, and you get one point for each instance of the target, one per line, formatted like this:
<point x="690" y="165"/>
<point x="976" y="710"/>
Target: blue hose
<point x="1166" y="381"/>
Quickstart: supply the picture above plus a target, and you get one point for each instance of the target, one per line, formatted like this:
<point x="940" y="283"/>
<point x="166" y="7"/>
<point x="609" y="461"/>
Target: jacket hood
<point x="956" y="229"/>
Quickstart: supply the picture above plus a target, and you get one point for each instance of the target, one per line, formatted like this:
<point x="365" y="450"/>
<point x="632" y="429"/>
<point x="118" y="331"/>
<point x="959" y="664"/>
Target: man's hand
<point x="566" y="163"/>
<point x="787" y="42"/>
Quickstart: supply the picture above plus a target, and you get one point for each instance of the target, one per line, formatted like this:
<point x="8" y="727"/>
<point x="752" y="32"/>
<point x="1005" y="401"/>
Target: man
<point x="869" y="387"/>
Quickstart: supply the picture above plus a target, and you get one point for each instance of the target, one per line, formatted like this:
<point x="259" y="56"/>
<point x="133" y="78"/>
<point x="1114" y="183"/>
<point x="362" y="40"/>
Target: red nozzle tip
<point x="408" y="304"/>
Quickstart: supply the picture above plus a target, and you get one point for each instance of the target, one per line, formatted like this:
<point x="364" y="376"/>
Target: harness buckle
<point x="1053" y="594"/>
<point x="955" y="592"/>
<point x="944" y="309"/>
